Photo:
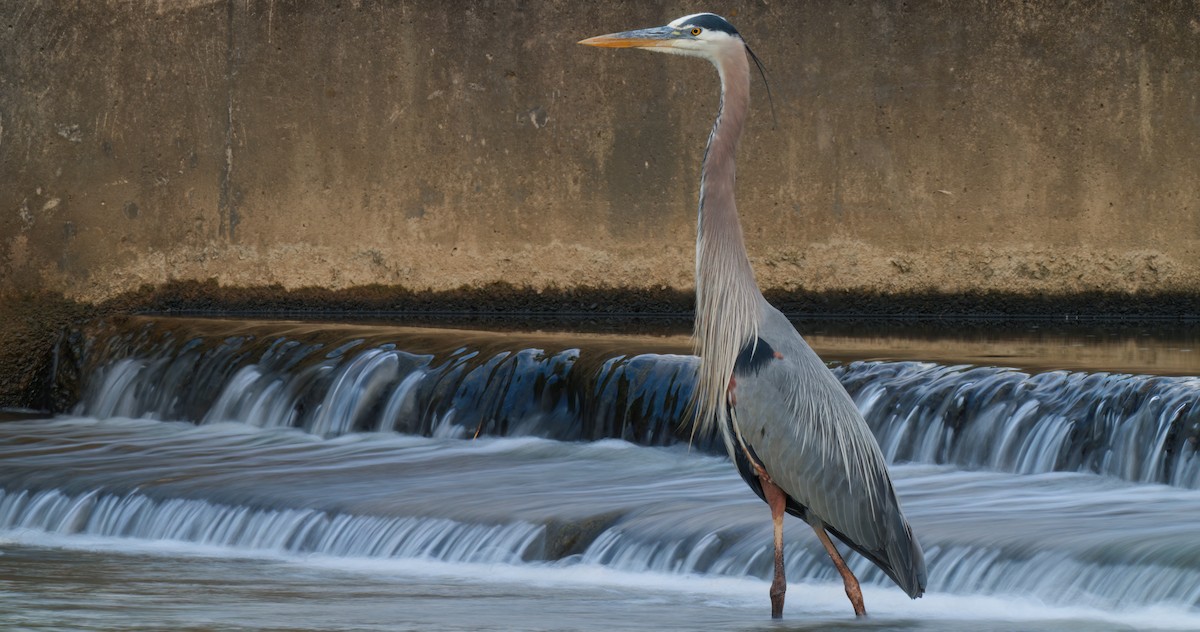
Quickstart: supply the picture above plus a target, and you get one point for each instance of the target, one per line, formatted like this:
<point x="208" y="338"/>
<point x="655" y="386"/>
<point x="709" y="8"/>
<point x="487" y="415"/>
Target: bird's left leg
<point x="778" y="502"/>
<point x="853" y="591"/>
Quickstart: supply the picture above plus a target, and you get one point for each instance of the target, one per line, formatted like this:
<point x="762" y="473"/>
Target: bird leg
<point x="778" y="502"/>
<point x="776" y="499"/>
<point x="852" y="589"/>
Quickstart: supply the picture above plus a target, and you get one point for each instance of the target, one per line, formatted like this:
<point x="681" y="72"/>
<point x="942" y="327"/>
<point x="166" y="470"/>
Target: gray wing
<point x="801" y="425"/>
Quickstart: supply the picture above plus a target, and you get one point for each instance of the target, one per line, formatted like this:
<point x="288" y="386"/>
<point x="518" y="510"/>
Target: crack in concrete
<point x="227" y="202"/>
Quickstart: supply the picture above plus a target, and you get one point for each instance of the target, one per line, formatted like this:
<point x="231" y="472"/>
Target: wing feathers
<point x="793" y="413"/>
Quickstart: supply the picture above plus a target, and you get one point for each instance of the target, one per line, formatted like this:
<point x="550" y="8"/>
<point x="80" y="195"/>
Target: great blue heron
<point x="796" y="436"/>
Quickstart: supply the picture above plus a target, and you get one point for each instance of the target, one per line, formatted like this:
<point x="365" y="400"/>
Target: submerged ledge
<point x="33" y="323"/>
<point x="503" y="300"/>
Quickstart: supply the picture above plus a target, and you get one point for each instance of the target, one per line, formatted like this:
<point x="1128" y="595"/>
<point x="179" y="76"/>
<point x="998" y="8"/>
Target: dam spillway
<point x="560" y="458"/>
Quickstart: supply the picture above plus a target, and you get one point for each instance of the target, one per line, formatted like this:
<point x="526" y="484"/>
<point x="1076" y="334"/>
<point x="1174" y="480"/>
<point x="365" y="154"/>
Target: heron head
<point x="698" y="35"/>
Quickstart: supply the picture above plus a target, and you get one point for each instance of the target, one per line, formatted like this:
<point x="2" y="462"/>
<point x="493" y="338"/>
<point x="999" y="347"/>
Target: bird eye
<point x="696" y="30"/>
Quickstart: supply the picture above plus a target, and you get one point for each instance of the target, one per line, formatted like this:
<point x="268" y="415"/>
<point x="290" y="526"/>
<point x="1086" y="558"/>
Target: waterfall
<point x="281" y="530"/>
<point x="1136" y="427"/>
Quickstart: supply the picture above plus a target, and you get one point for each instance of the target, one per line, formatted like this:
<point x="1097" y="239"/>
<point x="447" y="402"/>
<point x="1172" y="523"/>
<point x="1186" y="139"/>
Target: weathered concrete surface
<point x="30" y="329"/>
<point x="1027" y="147"/>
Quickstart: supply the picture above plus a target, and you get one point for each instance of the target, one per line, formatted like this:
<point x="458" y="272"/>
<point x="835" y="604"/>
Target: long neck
<point x="728" y="302"/>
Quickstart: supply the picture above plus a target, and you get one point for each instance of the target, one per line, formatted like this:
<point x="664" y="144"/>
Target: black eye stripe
<point x="713" y="22"/>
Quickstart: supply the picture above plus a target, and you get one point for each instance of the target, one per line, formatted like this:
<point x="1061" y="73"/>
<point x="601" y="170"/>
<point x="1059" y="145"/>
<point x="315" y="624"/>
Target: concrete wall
<point x="1032" y="147"/>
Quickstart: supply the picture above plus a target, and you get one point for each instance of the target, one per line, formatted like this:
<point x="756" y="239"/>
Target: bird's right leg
<point x="853" y="591"/>
<point x="778" y="503"/>
<point x="776" y="499"/>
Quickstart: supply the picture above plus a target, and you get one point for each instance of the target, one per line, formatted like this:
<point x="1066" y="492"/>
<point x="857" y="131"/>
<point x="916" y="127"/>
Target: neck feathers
<point x="728" y="303"/>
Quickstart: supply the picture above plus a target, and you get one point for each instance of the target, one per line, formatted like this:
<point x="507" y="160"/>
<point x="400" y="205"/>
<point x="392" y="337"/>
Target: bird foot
<point x="778" y="591"/>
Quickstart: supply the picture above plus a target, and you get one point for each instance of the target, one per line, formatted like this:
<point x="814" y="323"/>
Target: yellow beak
<point x="642" y="38"/>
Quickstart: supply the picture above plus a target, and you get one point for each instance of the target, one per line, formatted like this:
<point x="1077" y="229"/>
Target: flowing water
<point x="273" y="475"/>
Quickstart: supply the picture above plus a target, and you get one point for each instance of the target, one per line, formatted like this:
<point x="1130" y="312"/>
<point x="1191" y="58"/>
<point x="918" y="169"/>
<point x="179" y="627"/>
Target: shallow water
<point x="191" y="529"/>
<point x="203" y="482"/>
